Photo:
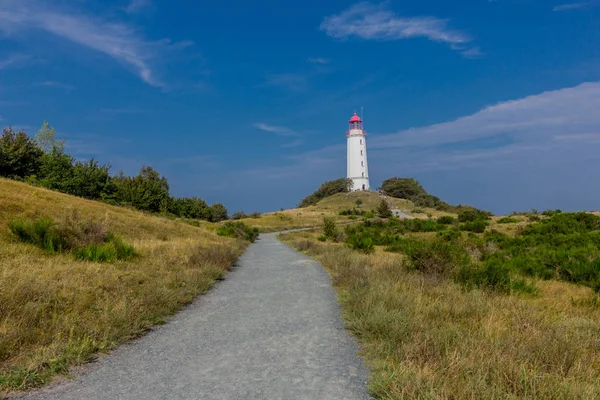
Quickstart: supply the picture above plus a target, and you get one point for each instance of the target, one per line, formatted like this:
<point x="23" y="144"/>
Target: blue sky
<point x="494" y="103"/>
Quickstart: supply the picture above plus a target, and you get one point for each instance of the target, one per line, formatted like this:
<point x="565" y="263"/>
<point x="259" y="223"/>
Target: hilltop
<point x="57" y="310"/>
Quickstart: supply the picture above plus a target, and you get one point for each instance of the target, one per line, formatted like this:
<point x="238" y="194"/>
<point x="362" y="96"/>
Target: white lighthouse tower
<point x="358" y="169"/>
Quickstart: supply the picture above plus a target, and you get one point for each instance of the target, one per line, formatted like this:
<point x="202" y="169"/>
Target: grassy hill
<point x="331" y="206"/>
<point x="57" y="311"/>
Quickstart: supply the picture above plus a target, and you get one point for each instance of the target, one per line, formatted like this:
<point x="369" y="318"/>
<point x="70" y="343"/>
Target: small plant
<point x="114" y="249"/>
<point x="329" y="228"/>
<point x="322" y="238"/>
<point x="369" y="214"/>
<point x="358" y="203"/>
<point x="383" y="210"/>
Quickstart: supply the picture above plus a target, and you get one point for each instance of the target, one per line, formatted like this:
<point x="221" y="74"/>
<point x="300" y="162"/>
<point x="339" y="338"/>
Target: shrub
<point x="383" y="210"/>
<point x="449" y="235"/>
<point x="492" y="275"/>
<point x="42" y="232"/>
<point x="435" y="257"/>
<point x="446" y="220"/>
<point x="321" y="238"/>
<point x="361" y="242"/>
<point x="477" y="226"/>
<point x="473" y="215"/>
<point x="237" y="230"/>
<point x="114" y="249"/>
<point x="369" y="214"/>
<point x="508" y="220"/>
<point x="329" y="228"/>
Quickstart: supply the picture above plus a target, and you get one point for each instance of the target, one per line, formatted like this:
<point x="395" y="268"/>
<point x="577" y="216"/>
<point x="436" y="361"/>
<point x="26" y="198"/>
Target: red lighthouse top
<point x="355" y="118"/>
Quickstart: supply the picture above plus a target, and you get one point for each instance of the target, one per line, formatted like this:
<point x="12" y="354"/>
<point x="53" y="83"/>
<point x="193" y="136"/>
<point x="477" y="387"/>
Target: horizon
<point x="248" y="105"/>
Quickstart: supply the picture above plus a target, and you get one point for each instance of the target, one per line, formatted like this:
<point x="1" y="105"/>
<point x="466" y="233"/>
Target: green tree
<point x="189" y="207"/>
<point x="383" y="210"/>
<point x="358" y="203"/>
<point x="20" y="156"/>
<point x="218" y="212"/>
<point x="92" y="181"/>
<point x="327" y="189"/>
<point x="147" y="191"/>
<point x="56" y="171"/>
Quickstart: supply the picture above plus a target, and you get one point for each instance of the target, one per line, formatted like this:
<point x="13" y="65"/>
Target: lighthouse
<point x="358" y="169"/>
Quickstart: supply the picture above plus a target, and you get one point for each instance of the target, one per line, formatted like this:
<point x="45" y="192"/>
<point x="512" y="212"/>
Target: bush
<point x="321" y="238"/>
<point x="383" y="210"/>
<point x="369" y="214"/>
<point x="114" y="249"/>
<point x="361" y="242"/>
<point x="87" y="239"/>
<point x="477" y="226"/>
<point x="508" y="220"/>
<point x="446" y="220"/>
<point x="473" y="215"/>
<point x="42" y="232"/>
<point x="494" y="276"/>
<point x="329" y="228"/>
<point x="237" y="230"/>
<point x="435" y="257"/>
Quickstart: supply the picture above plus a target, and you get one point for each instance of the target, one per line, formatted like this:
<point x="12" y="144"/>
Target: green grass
<point x="114" y="249"/>
<point x="41" y="232"/>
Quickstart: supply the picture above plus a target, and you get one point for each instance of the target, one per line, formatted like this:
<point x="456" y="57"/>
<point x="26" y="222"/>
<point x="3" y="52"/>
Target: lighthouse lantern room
<point x="358" y="169"/>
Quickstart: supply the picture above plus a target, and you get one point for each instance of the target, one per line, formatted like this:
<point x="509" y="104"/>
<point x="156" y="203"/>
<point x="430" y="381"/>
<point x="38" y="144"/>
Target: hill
<point x="331" y="206"/>
<point x="57" y="311"/>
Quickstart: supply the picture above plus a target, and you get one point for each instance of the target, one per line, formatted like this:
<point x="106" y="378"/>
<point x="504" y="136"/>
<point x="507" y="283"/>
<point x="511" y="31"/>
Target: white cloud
<point x="114" y="39"/>
<point x="538" y="151"/>
<point x="12" y="60"/>
<point x="278" y="130"/>
<point x="573" y="6"/>
<point x="319" y="60"/>
<point x="375" y="21"/>
<point x="135" y="6"/>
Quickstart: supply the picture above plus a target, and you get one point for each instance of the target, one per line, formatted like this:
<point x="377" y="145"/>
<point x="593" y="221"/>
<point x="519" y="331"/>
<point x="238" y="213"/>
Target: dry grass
<point x="56" y="312"/>
<point x="426" y="337"/>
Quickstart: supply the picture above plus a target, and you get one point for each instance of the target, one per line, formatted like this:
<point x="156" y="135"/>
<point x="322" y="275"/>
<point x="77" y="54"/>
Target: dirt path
<point x="271" y="330"/>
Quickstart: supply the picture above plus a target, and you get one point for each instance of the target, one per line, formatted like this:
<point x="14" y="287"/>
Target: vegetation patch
<point x="238" y="230"/>
<point x="342" y="185"/>
<point x="87" y="240"/>
<point x="424" y="336"/>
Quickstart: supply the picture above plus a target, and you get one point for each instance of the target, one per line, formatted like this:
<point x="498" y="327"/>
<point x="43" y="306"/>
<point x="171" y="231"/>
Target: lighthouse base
<point x="360" y="183"/>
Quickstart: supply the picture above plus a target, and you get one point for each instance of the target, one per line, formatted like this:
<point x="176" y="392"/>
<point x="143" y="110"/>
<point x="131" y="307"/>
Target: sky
<point x="492" y="103"/>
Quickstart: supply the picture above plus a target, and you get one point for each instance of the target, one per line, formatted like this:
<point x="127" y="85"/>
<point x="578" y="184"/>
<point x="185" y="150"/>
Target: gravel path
<point x="271" y="330"/>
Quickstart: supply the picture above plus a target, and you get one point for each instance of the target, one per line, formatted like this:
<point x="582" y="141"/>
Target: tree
<point x="342" y="185"/>
<point x="147" y="191"/>
<point x="56" y="171"/>
<point x="383" y="210"/>
<point x="189" y="207"/>
<point x="411" y="189"/>
<point x="20" y="156"/>
<point x="358" y="202"/>
<point x="218" y="212"/>
<point x="91" y="180"/>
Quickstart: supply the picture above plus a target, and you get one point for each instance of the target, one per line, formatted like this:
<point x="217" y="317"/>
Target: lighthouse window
<point x="361" y="152"/>
<point x="362" y="163"/>
<point x="363" y="175"/>
<point x="360" y="141"/>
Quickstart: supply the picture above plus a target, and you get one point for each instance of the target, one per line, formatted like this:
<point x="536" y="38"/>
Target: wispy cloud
<point x="13" y="60"/>
<point x="319" y="60"/>
<point x="55" y="84"/>
<point x="281" y="131"/>
<point x="473" y="52"/>
<point x="295" y="82"/>
<point x="278" y="130"/>
<point x="135" y="6"/>
<point x="114" y="39"/>
<point x="377" y="22"/>
<point x="573" y="6"/>
<point x="533" y="145"/>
